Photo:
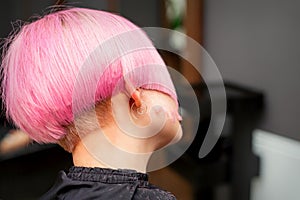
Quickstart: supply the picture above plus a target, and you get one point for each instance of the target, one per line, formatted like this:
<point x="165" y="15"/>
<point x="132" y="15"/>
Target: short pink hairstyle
<point x="42" y="63"/>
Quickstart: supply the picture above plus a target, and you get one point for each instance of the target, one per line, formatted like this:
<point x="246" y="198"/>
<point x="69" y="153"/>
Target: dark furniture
<point x="231" y="162"/>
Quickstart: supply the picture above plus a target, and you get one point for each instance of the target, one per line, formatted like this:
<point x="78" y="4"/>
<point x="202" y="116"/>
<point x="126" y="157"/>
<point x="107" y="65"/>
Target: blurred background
<point x="255" y="45"/>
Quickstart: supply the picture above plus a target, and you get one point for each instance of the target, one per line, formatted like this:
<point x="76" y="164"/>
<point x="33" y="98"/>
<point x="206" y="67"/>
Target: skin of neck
<point x="89" y="151"/>
<point x="84" y="155"/>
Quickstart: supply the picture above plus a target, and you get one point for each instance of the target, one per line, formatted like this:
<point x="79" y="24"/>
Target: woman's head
<point x="59" y="66"/>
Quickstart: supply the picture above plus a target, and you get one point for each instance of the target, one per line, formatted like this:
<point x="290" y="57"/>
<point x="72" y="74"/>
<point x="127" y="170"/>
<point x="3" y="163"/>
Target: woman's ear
<point x="136" y="96"/>
<point x="134" y="93"/>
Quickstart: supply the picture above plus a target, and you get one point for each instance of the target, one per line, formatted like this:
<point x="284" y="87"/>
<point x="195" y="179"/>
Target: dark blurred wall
<point x="256" y="43"/>
<point x="11" y="11"/>
<point x="94" y="4"/>
<point x="5" y="16"/>
<point x="145" y="13"/>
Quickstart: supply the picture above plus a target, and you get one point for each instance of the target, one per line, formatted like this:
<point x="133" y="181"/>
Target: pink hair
<point x="44" y="61"/>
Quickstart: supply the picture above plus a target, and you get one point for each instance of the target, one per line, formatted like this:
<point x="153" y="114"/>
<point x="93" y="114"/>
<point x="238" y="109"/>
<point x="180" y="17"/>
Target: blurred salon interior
<point x="239" y="99"/>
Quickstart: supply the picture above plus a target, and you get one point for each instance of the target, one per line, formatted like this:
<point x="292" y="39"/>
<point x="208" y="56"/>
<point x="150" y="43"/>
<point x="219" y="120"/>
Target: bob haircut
<point x="43" y="61"/>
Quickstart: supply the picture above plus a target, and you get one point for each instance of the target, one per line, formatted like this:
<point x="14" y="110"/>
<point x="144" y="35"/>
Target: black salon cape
<point x="82" y="183"/>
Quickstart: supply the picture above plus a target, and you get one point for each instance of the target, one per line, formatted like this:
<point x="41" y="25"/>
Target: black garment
<point x="105" y="184"/>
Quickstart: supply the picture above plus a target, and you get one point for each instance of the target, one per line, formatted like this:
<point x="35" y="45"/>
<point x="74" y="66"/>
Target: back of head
<point x="45" y="60"/>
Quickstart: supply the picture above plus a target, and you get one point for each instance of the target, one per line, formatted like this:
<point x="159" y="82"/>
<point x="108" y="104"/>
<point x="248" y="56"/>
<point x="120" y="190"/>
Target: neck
<point x="112" y="149"/>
